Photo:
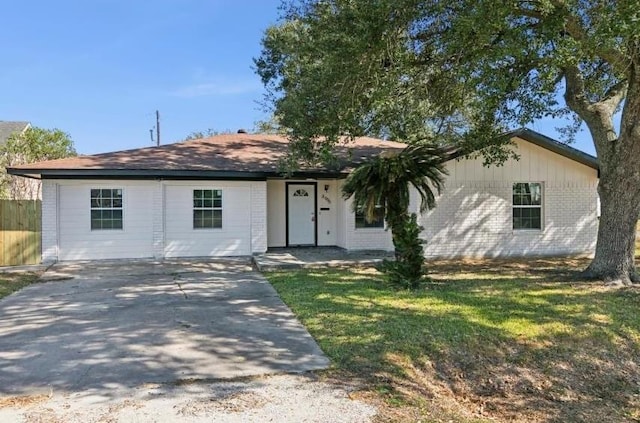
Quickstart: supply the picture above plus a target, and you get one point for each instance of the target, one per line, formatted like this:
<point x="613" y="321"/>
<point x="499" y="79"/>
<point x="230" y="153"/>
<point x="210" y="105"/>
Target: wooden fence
<point x="20" y="232"/>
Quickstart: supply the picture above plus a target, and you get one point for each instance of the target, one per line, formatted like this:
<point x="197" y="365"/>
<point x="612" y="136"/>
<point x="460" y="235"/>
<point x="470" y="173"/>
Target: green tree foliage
<point x="385" y="180"/>
<point x="347" y="68"/>
<point x="207" y="133"/>
<point x="210" y="132"/>
<point x="462" y="71"/>
<point x="268" y="126"/>
<point x="33" y="145"/>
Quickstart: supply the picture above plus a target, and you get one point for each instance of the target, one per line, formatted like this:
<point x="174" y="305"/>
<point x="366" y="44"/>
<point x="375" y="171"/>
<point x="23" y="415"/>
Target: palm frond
<point x="386" y="180"/>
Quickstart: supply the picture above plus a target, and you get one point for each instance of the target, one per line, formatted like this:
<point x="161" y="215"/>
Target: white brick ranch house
<point x="224" y="196"/>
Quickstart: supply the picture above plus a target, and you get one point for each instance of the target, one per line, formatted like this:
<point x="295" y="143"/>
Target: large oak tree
<point x="462" y="72"/>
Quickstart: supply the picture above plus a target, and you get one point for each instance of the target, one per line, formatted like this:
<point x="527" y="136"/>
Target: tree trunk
<point x="619" y="161"/>
<point x="619" y="188"/>
<point x="396" y="221"/>
<point x="615" y="248"/>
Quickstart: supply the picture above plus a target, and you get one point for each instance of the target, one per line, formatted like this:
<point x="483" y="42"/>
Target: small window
<point x="378" y="222"/>
<point x="300" y="193"/>
<point x="106" y="209"/>
<point x="207" y="208"/>
<point x="527" y="205"/>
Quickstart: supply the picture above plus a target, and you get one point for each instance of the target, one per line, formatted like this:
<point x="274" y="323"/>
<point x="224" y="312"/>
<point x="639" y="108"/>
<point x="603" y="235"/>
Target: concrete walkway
<point x="101" y="326"/>
<point x="317" y="257"/>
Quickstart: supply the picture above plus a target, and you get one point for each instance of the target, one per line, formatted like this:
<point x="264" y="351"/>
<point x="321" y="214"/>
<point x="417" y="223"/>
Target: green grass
<point x="12" y="282"/>
<point x="508" y="341"/>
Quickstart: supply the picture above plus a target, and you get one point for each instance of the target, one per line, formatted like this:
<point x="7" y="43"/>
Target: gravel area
<point x="281" y="398"/>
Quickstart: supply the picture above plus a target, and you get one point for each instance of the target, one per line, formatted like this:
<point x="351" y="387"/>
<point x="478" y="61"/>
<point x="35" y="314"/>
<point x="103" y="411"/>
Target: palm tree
<point x="385" y="181"/>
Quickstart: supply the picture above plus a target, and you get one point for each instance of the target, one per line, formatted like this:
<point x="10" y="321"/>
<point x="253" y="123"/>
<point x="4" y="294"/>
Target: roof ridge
<point x="226" y="135"/>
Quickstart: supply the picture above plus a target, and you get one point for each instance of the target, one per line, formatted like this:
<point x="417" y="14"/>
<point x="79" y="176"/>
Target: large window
<point x="106" y="209"/>
<point x="207" y="208"/>
<point x="378" y="222"/>
<point x="527" y="205"/>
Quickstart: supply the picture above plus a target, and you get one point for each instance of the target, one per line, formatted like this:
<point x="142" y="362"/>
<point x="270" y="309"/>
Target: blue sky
<point x="99" y="69"/>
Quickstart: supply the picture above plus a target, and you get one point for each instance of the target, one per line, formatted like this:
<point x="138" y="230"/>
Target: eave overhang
<point x="165" y="174"/>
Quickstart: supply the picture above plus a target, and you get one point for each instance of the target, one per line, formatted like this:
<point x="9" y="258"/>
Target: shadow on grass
<point x="515" y="348"/>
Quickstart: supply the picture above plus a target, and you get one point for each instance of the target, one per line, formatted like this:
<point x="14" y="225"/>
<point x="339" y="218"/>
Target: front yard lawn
<point x="12" y="282"/>
<point x="505" y="340"/>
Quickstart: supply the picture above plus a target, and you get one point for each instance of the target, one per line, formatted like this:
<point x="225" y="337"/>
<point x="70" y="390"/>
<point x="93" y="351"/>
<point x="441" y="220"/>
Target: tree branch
<point x="598" y="116"/>
<point x="575" y="93"/>
<point x="575" y="30"/>
<point x="530" y="13"/>
<point x="614" y="95"/>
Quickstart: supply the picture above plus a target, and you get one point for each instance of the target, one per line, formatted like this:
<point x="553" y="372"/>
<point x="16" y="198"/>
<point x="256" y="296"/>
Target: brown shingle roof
<point x="245" y="153"/>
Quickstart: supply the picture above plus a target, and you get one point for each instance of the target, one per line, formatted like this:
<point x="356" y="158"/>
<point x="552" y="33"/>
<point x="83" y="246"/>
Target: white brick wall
<point x="364" y="238"/>
<point x="76" y="239"/>
<point x="49" y="221"/>
<point x="245" y="201"/>
<point x="341" y="218"/>
<point x="258" y="217"/>
<point x="232" y="239"/>
<point x="474" y="219"/>
<point x="157" y="217"/>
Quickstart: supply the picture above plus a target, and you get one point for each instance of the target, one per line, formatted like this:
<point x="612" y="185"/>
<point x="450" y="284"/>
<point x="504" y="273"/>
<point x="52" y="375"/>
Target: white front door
<point x="301" y="216"/>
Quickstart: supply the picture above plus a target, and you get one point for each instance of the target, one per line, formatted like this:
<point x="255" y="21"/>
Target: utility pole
<point x="158" y="127"/>
<point x="157" y="139"/>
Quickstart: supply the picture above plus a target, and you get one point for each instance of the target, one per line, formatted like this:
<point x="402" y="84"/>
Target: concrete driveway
<point x="123" y="324"/>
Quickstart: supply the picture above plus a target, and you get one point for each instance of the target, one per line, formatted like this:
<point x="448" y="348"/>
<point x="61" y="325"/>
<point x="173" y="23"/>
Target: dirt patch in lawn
<point x="23" y="401"/>
<point x="587" y="372"/>
<point x="567" y="268"/>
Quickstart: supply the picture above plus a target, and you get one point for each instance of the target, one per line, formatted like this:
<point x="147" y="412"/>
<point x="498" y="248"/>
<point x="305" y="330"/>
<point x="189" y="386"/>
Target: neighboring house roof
<point x="7" y="128"/>
<point x="237" y="156"/>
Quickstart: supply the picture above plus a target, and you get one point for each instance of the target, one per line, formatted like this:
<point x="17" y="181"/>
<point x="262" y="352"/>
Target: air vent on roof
<point x="242" y="131"/>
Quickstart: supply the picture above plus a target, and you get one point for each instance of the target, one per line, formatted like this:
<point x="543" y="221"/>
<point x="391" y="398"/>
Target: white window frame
<point x="528" y="206"/>
<point x="212" y="208"/>
<point x="110" y="208"/>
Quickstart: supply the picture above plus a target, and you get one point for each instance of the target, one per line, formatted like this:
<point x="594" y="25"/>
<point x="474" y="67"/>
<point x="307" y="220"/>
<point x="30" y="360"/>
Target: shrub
<point x="407" y="271"/>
